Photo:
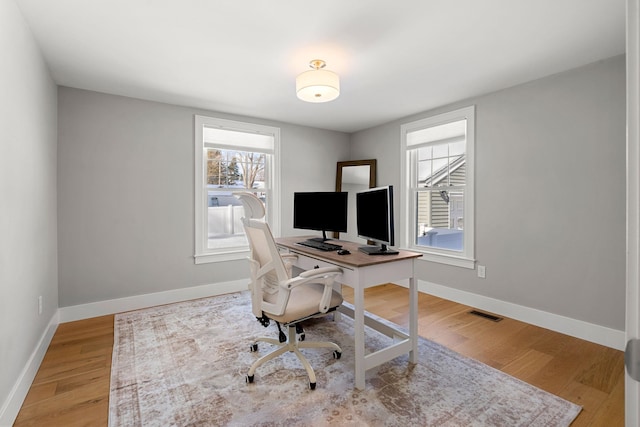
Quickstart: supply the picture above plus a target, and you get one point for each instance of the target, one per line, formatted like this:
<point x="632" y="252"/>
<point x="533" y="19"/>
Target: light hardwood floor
<point x="72" y="385"/>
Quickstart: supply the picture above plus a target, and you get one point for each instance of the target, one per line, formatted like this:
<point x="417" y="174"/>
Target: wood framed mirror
<point x="353" y="176"/>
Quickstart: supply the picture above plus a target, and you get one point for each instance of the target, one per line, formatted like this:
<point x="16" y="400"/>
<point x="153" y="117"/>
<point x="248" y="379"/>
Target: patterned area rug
<point x="185" y="364"/>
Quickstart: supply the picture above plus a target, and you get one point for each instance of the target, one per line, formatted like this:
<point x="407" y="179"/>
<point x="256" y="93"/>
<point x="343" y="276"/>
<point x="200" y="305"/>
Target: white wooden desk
<point x="361" y="271"/>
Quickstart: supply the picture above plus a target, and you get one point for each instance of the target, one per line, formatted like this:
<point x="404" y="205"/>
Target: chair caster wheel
<point x="253" y="347"/>
<point x="312" y="386"/>
<point x="249" y="379"/>
<point x="337" y="354"/>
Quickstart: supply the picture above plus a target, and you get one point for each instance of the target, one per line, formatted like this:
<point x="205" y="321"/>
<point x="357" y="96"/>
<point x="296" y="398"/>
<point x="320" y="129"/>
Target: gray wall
<point x="28" y="260"/>
<point x="126" y="194"/>
<point x="550" y="193"/>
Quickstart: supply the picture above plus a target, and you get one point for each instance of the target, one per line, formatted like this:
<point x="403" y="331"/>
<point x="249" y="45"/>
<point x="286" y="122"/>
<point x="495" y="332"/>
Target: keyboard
<point x="323" y="246"/>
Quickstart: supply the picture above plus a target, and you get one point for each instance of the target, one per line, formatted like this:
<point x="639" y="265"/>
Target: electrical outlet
<point x="482" y="271"/>
<point x="40" y="304"/>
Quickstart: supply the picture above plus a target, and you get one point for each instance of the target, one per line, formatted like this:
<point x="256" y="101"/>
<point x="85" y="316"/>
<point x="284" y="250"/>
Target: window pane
<point x="457" y="148"/>
<point x="440" y="150"/>
<point x="458" y="175"/>
<point x="224" y="211"/>
<point x="424" y="172"/>
<point x="440" y="168"/>
<point x="440" y="216"/>
<point x="425" y="153"/>
<point x="445" y="169"/>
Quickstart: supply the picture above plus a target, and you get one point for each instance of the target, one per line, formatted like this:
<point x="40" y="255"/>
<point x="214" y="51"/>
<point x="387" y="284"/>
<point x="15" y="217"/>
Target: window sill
<point x="453" y="260"/>
<point x="221" y="257"/>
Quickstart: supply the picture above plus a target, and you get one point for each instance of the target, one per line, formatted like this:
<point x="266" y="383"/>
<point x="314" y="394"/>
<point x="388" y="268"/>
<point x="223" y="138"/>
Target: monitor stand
<point x="377" y="250"/>
<point x="320" y="239"/>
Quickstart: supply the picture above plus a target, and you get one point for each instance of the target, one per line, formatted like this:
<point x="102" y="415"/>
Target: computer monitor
<point x="320" y="211"/>
<point x="374" y="219"/>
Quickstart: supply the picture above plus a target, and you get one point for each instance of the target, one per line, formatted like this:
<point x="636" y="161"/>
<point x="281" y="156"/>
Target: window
<point x="438" y="192"/>
<point x="231" y="157"/>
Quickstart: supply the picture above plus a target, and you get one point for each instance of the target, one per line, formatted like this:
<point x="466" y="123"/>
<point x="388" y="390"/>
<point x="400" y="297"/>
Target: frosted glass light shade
<point x="318" y="86"/>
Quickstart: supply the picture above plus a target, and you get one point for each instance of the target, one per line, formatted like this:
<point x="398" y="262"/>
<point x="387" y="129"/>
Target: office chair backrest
<point x="267" y="268"/>
<point x="253" y="207"/>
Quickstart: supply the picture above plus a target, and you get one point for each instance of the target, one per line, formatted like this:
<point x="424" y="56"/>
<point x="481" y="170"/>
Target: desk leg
<point x="358" y="330"/>
<point x="338" y="288"/>
<point x="413" y="319"/>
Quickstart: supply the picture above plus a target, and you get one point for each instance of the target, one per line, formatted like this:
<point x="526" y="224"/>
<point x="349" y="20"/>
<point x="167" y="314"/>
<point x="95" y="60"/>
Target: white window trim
<point x="202" y="253"/>
<point x="465" y="259"/>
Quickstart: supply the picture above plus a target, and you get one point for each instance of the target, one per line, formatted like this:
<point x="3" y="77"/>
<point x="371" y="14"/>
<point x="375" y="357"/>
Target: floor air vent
<point x="486" y="315"/>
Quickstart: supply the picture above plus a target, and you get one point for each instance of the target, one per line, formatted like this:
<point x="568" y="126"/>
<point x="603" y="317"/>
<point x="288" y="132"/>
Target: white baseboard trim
<point x="576" y="328"/>
<point x="119" y="305"/>
<point x="11" y="406"/>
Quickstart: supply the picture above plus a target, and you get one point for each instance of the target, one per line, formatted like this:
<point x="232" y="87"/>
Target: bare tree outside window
<point x="226" y="168"/>
<point x="252" y="167"/>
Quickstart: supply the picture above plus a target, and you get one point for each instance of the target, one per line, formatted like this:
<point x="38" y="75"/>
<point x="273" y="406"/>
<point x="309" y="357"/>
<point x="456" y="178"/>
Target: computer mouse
<point x="343" y="252"/>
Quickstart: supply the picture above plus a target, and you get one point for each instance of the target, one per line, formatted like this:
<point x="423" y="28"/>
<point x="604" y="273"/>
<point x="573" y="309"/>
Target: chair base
<point x="293" y="345"/>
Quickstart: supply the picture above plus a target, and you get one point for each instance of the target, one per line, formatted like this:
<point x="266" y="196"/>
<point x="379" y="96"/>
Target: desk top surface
<point x="354" y="259"/>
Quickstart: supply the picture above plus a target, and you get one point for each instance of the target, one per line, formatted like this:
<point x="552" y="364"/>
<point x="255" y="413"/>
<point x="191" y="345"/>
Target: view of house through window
<point x="231" y="157"/>
<point x="439" y="185"/>
<point x="440" y="195"/>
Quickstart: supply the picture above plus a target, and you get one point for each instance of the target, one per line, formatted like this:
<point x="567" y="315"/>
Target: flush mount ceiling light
<point x="318" y="85"/>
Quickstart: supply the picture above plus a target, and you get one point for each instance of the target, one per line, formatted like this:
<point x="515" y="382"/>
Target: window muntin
<point x="438" y="170"/>
<point x="231" y="157"/>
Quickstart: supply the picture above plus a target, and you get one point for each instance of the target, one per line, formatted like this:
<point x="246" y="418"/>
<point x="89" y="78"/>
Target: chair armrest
<point x="320" y="271"/>
<point x="316" y="275"/>
<point x="326" y="276"/>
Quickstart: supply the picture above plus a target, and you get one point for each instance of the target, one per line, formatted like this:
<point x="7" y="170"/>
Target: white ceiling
<point x="395" y="58"/>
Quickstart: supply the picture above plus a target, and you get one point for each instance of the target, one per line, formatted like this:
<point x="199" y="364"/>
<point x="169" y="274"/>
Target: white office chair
<point x="277" y="296"/>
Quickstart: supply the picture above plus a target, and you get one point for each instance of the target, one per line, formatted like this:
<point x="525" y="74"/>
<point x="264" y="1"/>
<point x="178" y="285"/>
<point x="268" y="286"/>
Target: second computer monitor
<point x="374" y="219"/>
